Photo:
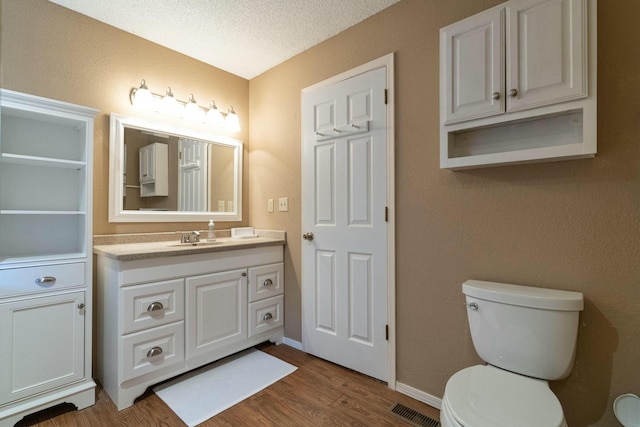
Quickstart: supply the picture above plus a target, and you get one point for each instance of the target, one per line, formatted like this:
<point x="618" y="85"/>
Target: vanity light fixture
<point x="142" y="97"/>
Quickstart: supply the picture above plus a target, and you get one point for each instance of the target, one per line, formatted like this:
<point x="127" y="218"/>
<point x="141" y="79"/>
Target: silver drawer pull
<point x="155" y="306"/>
<point x="155" y="351"/>
<point x="45" y="280"/>
<point x="267" y="316"/>
<point x="267" y="282"/>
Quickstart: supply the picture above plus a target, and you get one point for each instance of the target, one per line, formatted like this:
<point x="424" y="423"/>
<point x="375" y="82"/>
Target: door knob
<point x="308" y="236"/>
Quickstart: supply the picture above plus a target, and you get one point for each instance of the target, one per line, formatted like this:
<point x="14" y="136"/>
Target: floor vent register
<point x="413" y="417"/>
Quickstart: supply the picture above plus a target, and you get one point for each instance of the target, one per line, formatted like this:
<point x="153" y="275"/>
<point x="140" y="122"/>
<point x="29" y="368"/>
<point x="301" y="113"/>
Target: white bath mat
<point x="201" y="394"/>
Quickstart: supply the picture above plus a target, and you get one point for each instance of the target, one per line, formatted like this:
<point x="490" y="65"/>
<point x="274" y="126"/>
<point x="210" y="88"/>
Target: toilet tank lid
<point x="526" y="296"/>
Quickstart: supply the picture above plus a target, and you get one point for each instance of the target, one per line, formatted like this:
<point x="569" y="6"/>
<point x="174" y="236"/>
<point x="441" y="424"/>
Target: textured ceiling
<point x="243" y="37"/>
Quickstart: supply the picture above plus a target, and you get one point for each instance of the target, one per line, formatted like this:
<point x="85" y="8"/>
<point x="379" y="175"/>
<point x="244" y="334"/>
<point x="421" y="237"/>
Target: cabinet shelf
<point x="23" y="160"/>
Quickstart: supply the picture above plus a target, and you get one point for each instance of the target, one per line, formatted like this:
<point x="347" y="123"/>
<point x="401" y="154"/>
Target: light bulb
<point x="192" y="110"/>
<point x="232" y="122"/>
<point x="214" y="116"/>
<point x="169" y="105"/>
<point x="142" y="96"/>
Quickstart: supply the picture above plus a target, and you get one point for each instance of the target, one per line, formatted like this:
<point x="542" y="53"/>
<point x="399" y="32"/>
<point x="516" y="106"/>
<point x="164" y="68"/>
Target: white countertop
<point x="143" y="250"/>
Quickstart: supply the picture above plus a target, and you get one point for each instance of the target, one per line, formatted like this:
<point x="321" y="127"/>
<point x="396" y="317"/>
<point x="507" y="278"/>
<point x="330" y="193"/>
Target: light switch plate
<point x="283" y="204"/>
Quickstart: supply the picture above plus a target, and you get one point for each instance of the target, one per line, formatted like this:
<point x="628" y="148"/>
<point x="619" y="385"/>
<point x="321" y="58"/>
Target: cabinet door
<point x="472" y="67"/>
<point x="147" y="163"/>
<point x="546" y="52"/>
<point x="41" y="344"/>
<point x="216" y="313"/>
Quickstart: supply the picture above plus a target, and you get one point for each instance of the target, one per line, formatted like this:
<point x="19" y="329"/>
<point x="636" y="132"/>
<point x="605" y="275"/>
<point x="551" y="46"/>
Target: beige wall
<point x="50" y="51"/>
<point x="570" y="225"/>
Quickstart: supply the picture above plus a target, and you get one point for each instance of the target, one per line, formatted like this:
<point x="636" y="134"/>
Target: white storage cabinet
<point x="518" y="84"/>
<point x="154" y="170"/>
<point x="45" y="264"/>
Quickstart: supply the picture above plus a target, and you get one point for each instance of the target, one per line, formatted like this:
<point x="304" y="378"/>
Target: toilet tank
<point x="528" y="330"/>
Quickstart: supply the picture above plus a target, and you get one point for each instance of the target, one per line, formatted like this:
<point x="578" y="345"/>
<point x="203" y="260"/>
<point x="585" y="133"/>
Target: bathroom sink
<point x="196" y="244"/>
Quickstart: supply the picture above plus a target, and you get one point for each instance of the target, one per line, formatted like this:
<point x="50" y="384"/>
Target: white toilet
<point x="527" y="336"/>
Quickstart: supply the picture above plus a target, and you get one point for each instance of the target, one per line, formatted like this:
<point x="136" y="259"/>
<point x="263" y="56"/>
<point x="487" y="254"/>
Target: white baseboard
<point x="292" y="343"/>
<point x="420" y="395"/>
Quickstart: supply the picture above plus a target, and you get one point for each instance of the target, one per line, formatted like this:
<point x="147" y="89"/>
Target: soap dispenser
<point x="211" y="237"/>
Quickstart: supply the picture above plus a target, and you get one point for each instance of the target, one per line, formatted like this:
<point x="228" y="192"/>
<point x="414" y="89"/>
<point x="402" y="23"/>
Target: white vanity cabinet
<point x="45" y="264"/>
<point x="161" y="316"/>
<point x="518" y="84"/>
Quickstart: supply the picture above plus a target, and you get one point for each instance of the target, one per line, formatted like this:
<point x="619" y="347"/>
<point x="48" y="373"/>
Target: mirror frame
<point x="116" y="155"/>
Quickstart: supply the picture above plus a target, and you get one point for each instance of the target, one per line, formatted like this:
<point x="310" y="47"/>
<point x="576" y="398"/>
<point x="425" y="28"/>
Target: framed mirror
<point x="163" y="173"/>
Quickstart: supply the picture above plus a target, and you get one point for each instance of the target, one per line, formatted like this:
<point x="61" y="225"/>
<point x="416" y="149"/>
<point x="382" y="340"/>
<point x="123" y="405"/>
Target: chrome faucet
<point x="193" y="237"/>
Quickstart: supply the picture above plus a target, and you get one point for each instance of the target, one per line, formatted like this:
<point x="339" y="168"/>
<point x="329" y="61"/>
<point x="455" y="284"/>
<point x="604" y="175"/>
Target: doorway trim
<point x="388" y="62"/>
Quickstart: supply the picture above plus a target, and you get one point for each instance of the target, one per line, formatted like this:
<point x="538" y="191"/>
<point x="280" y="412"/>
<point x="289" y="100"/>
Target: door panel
<point x="344" y="197"/>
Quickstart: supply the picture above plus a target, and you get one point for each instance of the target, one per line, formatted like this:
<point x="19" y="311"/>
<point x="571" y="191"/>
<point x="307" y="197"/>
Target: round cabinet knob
<point x="496" y="95"/>
<point x="155" y="306"/>
<point x="244" y="274"/>
<point x="513" y="92"/>
<point x="308" y="236"/>
<point x="267" y="316"/>
<point x="155" y="351"/>
<point x="80" y="306"/>
<point x="472" y="305"/>
<point x="267" y="282"/>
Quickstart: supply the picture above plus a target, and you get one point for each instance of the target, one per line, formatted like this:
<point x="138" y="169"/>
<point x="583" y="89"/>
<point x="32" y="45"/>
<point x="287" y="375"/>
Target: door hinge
<point x="386" y="214"/>
<point x="386" y="332"/>
<point x="386" y="98"/>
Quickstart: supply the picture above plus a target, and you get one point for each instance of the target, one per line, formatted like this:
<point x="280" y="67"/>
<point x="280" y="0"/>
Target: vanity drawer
<point x="266" y="281"/>
<point x="45" y="278"/>
<point x="151" y="350"/>
<point x="265" y="315"/>
<point x="152" y="304"/>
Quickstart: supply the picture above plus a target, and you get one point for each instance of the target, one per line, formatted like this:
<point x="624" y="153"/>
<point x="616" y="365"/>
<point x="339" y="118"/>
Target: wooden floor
<point x="319" y="393"/>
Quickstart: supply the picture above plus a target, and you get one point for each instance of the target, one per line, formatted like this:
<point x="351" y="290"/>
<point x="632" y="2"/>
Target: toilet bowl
<point x="527" y="336"/>
<point x="486" y="396"/>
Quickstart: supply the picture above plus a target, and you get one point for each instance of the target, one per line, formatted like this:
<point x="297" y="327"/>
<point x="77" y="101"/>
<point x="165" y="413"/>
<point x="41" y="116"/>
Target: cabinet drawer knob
<point x="244" y="274"/>
<point x="267" y="282"/>
<point x="155" y="306"/>
<point x="155" y="351"/>
<point x="513" y="92"/>
<point x="496" y="95"/>
<point x="81" y="306"/>
<point x="44" y="280"/>
<point x="267" y="316"/>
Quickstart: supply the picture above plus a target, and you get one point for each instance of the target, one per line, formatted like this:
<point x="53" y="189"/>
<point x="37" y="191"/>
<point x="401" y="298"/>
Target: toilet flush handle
<point x="472" y="305"/>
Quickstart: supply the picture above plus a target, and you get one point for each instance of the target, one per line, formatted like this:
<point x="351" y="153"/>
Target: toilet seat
<point x="485" y="396"/>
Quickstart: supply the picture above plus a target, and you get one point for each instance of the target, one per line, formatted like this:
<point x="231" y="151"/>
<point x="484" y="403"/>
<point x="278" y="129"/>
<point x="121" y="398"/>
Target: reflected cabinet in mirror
<point x="162" y="173"/>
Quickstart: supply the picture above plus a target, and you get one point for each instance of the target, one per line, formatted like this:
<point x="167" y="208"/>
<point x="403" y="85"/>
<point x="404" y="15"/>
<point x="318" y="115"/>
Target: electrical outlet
<point x="270" y="205"/>
<point x="283" y="204"/>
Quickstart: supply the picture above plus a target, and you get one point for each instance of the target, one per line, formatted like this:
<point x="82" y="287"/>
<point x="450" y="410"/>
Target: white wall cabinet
<point x="518" y="84"/>
<point x="154" y="170"/>
<point x="45" y="272"/>
<point x="161" y="317"/>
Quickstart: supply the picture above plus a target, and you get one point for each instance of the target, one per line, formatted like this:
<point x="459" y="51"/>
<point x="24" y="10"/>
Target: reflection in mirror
<point x="161" y="173"/>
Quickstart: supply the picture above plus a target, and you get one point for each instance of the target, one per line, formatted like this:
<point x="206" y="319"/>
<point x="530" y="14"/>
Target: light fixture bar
<point x="142" y="97"/>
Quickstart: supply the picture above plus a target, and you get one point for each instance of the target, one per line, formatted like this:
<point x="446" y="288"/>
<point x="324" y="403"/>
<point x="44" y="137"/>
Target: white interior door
<point x="192" y="175"/>
<point x="344" y="199"/>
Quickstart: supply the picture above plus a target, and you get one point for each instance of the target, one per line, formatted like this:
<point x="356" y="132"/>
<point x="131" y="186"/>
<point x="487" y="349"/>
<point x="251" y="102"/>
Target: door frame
<point x="387" y="62"/>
